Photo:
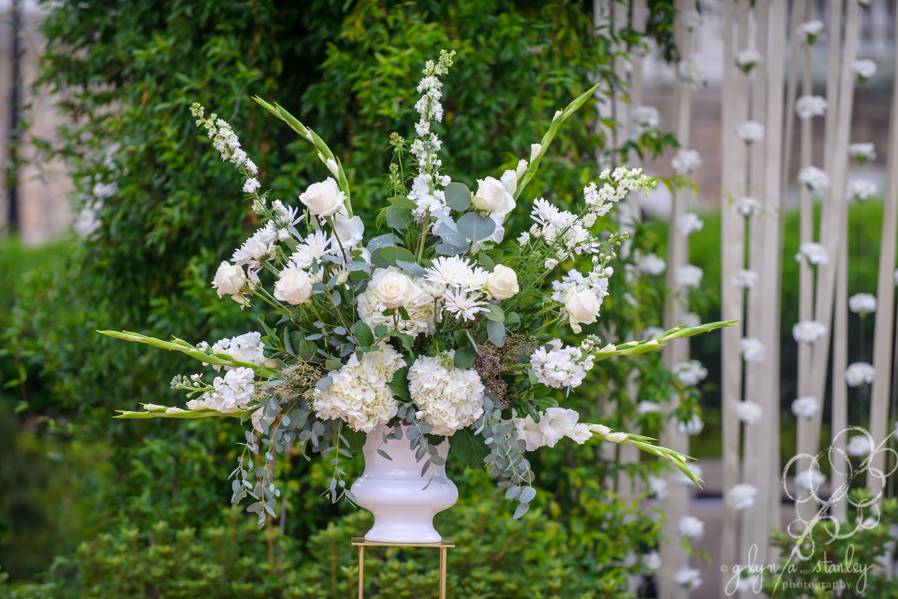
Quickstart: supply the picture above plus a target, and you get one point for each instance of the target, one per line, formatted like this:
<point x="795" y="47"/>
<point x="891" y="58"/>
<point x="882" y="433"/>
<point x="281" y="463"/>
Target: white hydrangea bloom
<point x="745" y="279"/>
<point x="753" y="350"/>
<point x="448" y="398"/>
<point x="687" y="578"/>
<point x="810" y="106"/>
<point x="650" y="264"/>
<point x="688" y="276"/>
<point x="688" y="223"/>
<point x="748" y="412"/>
<point x="741" y="496"/>
<point x="560" y="366"/>
<point x="747" y="59"/>
<point x="808" y="331"/>
<point x="554" y="424"/>
<point x="747" y="206"/>
<point x="809" y="480"/>
<point x="864" y="69"/>
<point x="859" y="373"/>
<point x="813" y="252"/>
<point x="691" y="527"/>
<point x="814" y="178"/>
<point x="805" y="407"/>
<point x="686" y="161"/>
<point x="359" y="393"/>
<point x="645" y="117"/>
<point x="809" y="31"/>
<point x="859" y="446"/>
<point x="862" y="303"/>
<point x="862" y="152"/>
<point x="690" y="372"/>
<point x="750" y="132"/>
<point x="860" y="190"/>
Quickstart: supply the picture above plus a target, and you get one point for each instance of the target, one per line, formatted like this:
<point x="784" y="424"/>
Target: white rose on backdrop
<point x="860" y="190"/>
<point x="294" y="286"/>
<point x="810" y="31"/>
<point x="813" y="252"/>
<point x="691" y="527"/>
<point x="502" y="283"/>
<point x="493" y="196"/>
<point x="229" y="279"/>
<point x="859" y="445"/>
<point x="323" y="198"/>
<point x="582" y="306"/>
<point x="753" y="350"/>
<point x="393" y="288"/>
<point x="650" y="264"/>
<point x="688" y="276"/>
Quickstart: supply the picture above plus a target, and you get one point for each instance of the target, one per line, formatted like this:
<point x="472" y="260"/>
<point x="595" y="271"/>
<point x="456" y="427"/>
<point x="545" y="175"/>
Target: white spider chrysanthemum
<point x="808" y="331"/>
<point x="688" y="223"/>
<point x="752" y="349"/>
<point x="859" y="373"/>
<point x="745" y="279"/>
<point x="359" y="393"/>
<point x="690" y="372"/>
<point x="748" y="412"/>
<point x="862" y="303"/>
<point x="741" y="496"/>
<point x="456" y="273"/>
<point x="462" y="305"/>
<point x="860" y="190"/>
<point x="686" y="161"/>
<point x="691" y="527"/>
<point x="810" y="106"/>
<point x="311" y="251"/>
<point x="258" y="247"/>
<point x="650" y="264"/>
<point x="813" y="252"/>
<point x="805" y="407"/>
<point x="750" y="132"/>
<point x="814" y="178"/>
<point x="862" y="152"/>
<point x="688" y="276"/>
<point x="560" y="366"/>
<point x="448" y="398"/>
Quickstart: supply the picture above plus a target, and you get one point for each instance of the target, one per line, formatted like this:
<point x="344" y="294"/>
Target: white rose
<point x="323" y="198"/>
<point x="350" y="231"/>
<point x="229" y="279"/>
<point x="294" y="286"/>
<point x="582" y="306"/>
<point x="502" y="283"/>
<point x="493" y="196"/>
<point x="393" y="288"/>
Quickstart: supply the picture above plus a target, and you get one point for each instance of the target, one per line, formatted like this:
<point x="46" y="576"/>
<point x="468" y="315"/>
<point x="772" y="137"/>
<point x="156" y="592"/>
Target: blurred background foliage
<point x="94" y="507"/>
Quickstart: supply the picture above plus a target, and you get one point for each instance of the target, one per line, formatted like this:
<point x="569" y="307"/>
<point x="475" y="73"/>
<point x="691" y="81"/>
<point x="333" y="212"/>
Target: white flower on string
<point x="688" y="223"/>
<point x="651" y="561"/>
<point x="690" y="372"/>
<point x="657" y="486"/>
<point x="809" y="480"/>
<point x="554" y="424"/>
<point x="750" y="131"/>
<point x="809" y="31"/>
<point x="753" y="350"/>
<point x="862" y="152"/>
<point x="859" y="446"/>
<point x="687" y="578"/>
<point x="810" y="106"/>
<point x="808" y="331"/>
<point x="688" y="276"/>
<point x="645" y="117"/>
<point x="686" y="161"/>
<point x="748" y="412"/>
<point x="691" y="527"/>
<point x="747" y="206"/>
<point x="862" y="303"/>
<point x="859" y="373"/>
<point x="747" y="59"/>
<point x="813" y="252"/>
<point x="650" y="264"/>
<point x="745" y="279"/>
<point x="814" y="178"/>
<point x="691" y="71"/>
<point x="691" y="427"/>
<point x="860" y="190"/>
<point x="448" y="398"/>
<point x="864" y="69"/>
<point x="560" y="366"/>
<point x="742" y="496"/>
<point x="805" y="407"/>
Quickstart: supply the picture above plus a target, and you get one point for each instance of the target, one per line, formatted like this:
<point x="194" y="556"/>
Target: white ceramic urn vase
<point x="402" y="500"/>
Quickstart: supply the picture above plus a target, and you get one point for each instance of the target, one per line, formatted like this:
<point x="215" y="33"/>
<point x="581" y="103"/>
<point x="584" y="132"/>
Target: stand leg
<point x="361" y="572"/>
<point x="443" y="561"/>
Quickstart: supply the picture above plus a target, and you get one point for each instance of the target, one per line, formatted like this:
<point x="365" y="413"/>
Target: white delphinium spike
<point x="225" y="140"/>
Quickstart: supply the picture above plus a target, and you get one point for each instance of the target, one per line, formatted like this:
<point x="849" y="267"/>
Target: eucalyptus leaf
<point x="496" y="333"/>
<point x="399" y="218"/>
<point x="476" y="227"/>
<point x="458" y="196"/>
<point x="389" y="255"/>
<point x="464" y="357"/>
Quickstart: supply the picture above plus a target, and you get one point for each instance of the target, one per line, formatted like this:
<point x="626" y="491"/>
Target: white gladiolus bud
<point x="332" y="167"/>
<point x="229" y="279"/>
<point x="492" y="196"/>
<point x="582" y="306"/>
<point x="294" y="286"/>
<point x="502" y="283"/>
<point x="323" y="198"/>
<point x="393" y="288"/>
<point x="535" y="149"/>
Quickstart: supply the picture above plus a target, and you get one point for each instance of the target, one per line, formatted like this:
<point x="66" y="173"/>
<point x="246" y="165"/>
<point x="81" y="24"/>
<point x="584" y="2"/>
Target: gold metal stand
<point x="443" y="546"/>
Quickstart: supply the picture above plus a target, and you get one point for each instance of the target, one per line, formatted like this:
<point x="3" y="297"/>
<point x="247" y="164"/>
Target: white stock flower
<point x="502" y="283"/>
<point x="750" y="132"/>
<point x="448" y="398"/>
<point x="813" y="252"/>
<point x="748" y="412"/>
<point x="753" y="350"/>
<point x="862" y="152"/>
<point x="323" y="198"/>
<point x="805" y="407"/>
<point x="747" y="59"/>
<point x="650" y="264"/>
<point x="860" y="190"/>
<point x="859" y="446"/>
<point x="247" y="348"/>
<point x="688" y="223"/>
<point x="645" y="117"/>
<point x="359" y="392"/>
<point x="251" y="185"/>
<point x="686" y="161"/>
<point x="293" y="286"/>
<point x="687" y="578"/>
<point x="229" y="279"/>
<point x="862" y="303"/>
<point x="231" y="393"/>
<point x="560" y="366"/>
<point x="688" y="276"/>
<point x="859" y="373"/>
<point x="810" y="106"/>
<point x="808" y="331"/>
<point x="809" y="31"/>
<point x="742" y="496"/>
<point x="809" y="480"/>
<point x="814" y="178"/>
<point x="745" y="279"/>
<point x="691" y="527"/>
<point x="747" y="206"/>
<point x="864" y="69"/>
<point x="690" y="372"/>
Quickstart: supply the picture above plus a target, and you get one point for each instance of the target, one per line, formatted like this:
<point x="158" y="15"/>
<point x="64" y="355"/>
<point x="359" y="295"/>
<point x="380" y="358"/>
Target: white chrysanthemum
<point x="862" y="303"/>
<point x="741" y="496"/>
<point x="862" y="152"/>
<point x="747" y="59"/>
<point x="859" y="373"/>
<point x="687" y="578"/>
<point x="814" y="178"/>
<point x="645" y="117"/>
<point x="753" y="350"/>
<point x="247" y="348"/>
<point x="748" y="412"/>
<point x="686" y="161"/>
<point x="750" y="132"/>
<point x="688" y="223"/>
<point x="860" y="190"/>
<point x="809" y="31"/>
<point x="810" y="106"/>
<point x="691" y="527"/>
<point x="813" y="252"/>
<point x="805" y="407"/>
<point x="809" y="480"/>
<point x="650" y="264"/>
<point x="808" y="331"/>
<point x="748" y="206"/>
<point x="418" y="305"/>
<point x="560" y="366"/>
<point x="456" y="273"/>
<point x="462" y="305"/>
<point x="312" y="250"/>
<point x="859" y="446"/>
<point x="691" y="427"/>
<point x="864" y="69"/>
<point x="745" y="279"/>
<point x="688" y="276"/>
<point x="359" y="393"/>
<point x="231" y="393"/>
<point x="448" y="398"/>
<point x="690" y="372"/>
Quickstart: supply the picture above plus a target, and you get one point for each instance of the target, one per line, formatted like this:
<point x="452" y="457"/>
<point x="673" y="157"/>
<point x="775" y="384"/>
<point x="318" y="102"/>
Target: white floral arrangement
<point x="441" y="328"/>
